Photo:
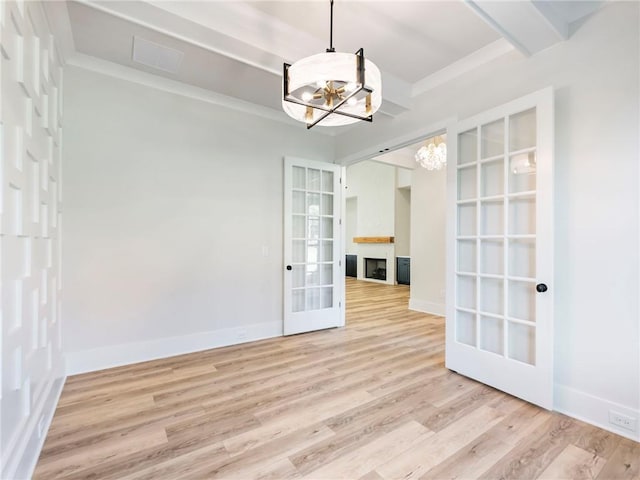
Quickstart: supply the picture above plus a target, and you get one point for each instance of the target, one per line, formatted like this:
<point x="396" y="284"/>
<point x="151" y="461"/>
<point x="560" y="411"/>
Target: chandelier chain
<point x="331" y="49"/>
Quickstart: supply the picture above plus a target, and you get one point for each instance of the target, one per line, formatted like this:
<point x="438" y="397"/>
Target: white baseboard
<point x="593" y="410"/>
<point x="23" y="460"/>
<point x="427" y="307"/>
<point x="124" y="354"/>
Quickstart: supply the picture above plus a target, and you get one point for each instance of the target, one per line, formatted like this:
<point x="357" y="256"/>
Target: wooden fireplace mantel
<point x="373" y="239"/>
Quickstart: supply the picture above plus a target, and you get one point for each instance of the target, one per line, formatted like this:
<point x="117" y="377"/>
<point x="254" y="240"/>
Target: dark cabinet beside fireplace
<point x="403" y="270"/>
<point x="351" y="266"/>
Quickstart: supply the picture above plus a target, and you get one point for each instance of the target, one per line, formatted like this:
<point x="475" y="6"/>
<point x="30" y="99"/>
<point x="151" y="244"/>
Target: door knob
<point x="541" y="288"/>
<point x="289" y="267"/>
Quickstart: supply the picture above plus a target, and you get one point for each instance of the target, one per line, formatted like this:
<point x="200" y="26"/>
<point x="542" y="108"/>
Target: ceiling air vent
<point x="156" y="56"/>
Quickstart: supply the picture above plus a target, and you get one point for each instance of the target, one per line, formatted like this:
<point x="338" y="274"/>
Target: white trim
<point x="343" y="246"/>
<point x="593" y="410"/>
<point x="22" y="461"/>
<point x="425" y="306"/>
<point x="480" y="57"/>
<point x="129" y="74"/>
<point x="396" y="143"/>
<point x="117" y="355"/>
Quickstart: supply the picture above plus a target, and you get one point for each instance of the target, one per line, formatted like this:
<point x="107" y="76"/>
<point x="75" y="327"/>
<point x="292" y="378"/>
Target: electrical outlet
<point x="621" y="420"/>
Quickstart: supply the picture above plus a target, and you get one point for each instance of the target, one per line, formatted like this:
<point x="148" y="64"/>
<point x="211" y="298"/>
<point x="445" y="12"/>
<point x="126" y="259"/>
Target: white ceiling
<point x="237" y="48"/>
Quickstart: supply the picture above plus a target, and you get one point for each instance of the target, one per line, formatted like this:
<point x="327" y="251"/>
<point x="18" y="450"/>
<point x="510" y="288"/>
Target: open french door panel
<point x="499" y="327"/>
<point x="312" y="279"/>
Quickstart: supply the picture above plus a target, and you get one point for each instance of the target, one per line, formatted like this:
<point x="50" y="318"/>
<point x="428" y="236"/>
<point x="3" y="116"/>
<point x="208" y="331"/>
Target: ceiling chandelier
<point x="432" y="155"/>
<point x="332" y="88"/>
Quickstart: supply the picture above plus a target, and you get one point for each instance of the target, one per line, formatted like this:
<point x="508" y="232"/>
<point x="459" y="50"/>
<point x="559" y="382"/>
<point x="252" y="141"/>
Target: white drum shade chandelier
<point x="332" y="88"/>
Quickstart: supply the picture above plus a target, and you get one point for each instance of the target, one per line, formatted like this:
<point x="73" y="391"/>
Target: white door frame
<point x="374" y="150"/>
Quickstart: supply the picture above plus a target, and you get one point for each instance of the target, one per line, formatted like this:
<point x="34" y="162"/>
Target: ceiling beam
<point x="530" y="26"/>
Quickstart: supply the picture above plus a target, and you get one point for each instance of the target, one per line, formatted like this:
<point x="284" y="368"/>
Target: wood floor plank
<point x="167" y="466"/>
<point x="65" y="465"/>
<point x="531" y="457"/>
<point x="415" y="462"/>
<point x="575" y="464"/>
<point x="281" y="448"/>
<point x="292" y="420"/>
<point x="624" y="463"/>
<point x="370" y="401"/>
<point x="362" y="460"/>
<point x="482" y="453"/>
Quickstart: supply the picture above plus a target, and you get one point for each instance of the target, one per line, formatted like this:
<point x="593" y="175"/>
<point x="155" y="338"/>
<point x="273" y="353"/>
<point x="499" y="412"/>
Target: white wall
<point x="173" y="222"/>
<point x="428" y="236"/>
<point x="403" y="221"/>
<point x="30" y="139"/>
<point x="596" y="79"/>
<point x="373" y="185"/>
<point x="351" y="225"/>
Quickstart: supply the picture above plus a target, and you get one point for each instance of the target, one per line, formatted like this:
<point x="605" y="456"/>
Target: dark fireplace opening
<point x="375" y="268"/>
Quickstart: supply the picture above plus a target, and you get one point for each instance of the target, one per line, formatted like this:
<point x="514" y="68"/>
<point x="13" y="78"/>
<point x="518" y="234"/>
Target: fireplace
<point x="375" y="268"/>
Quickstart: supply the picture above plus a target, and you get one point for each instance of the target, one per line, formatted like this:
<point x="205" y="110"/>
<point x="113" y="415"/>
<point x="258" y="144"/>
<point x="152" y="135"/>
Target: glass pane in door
<point x="492" y="178"/>
<point x="466" y="256"/>
<point x="522" y="343"/>
<point x="492" y="257"/>
<point x="467" y="183"/>
<point x="468" y="147"/>
<point x="522" y="130"/>
<point x="492" y="217"/>
<point x="466" y="328"/>
<point x="312" y="228"/>
<point x="522" y="258"/>
<point x="492" y="139"/>
<point x="492" y="295"/>
<point x="522" y="300"/>
<point x="491" y="334"/>
<point x="522" y="216"/>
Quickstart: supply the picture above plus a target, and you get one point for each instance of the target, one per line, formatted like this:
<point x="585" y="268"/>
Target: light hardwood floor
<point x="372" y="400"/>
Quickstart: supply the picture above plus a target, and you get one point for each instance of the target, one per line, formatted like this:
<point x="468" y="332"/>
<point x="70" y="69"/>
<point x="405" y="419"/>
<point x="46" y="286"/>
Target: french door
<point x="499" y="327"/>
<point x="312" y="276"/>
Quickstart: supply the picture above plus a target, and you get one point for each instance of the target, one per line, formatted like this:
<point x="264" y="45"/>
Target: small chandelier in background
<point x="433" y="155"/>
<point x="331" y="88"/>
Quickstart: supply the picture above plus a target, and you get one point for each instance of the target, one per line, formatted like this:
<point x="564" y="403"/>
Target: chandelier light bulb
<point x="352" y="101"/>
<point x="307" y="96"/>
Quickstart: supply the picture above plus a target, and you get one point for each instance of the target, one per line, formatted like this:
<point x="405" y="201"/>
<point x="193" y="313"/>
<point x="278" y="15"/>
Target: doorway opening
<point x="390" y="196"/>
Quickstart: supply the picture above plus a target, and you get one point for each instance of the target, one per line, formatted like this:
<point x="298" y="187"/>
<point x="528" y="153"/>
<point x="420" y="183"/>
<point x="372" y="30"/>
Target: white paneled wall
<point x="30" y="144"/>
